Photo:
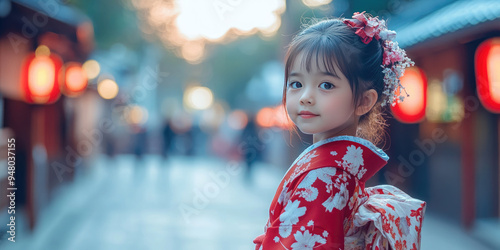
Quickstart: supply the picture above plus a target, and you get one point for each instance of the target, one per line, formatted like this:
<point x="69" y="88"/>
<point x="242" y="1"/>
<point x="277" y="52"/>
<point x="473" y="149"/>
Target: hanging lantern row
<point x="44" y="77"/>
<point x="487" y="69"/>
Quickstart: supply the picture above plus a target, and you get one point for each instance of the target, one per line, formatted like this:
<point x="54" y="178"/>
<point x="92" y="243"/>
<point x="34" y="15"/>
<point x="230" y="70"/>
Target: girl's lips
<point x="307" y="114"/>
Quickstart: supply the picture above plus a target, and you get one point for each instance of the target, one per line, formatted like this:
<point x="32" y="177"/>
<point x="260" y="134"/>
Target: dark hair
<point x="336" y="44"/>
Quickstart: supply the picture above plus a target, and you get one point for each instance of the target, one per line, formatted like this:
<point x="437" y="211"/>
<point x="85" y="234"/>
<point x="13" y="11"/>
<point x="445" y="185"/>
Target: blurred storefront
<point x="450" y="157"/>
<point x="43" y="45"/>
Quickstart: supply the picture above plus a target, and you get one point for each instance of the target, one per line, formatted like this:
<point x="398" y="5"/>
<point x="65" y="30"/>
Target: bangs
<point x="326" y="53"/>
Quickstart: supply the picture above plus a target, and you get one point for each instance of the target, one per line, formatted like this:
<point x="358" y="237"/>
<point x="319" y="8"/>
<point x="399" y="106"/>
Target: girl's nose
<point x="307" y="98"/>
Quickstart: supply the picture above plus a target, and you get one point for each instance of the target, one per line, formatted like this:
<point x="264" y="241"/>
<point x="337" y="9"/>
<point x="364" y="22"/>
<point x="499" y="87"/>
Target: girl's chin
<point x="307" y="131"/>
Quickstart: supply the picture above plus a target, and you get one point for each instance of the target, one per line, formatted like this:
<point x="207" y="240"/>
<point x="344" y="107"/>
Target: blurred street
<point x="129" y="124"/>
<point x="124" y="203"/>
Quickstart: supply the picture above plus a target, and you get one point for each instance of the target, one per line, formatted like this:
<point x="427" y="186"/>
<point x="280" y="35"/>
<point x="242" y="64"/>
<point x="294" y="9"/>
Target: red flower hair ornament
<point x="394" y="59"/>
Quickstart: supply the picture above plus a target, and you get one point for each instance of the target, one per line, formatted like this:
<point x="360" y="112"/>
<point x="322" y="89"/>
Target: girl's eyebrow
<point x="323" y="73"/>
<point x="330" y="74"/>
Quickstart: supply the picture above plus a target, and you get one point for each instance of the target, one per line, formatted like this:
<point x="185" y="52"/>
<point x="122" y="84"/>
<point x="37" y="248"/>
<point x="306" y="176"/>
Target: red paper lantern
<point x="75" y="79"/>
<point x="487" y="64"/>
<point x="412" y="109"/>
<point x="40" y="78"/>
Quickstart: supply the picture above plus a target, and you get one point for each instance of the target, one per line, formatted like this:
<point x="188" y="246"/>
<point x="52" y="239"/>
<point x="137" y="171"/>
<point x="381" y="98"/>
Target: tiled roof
<point x="451" y="18"/>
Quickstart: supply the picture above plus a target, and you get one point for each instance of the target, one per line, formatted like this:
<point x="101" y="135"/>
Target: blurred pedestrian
<point x="251" y="147"/>
<point x="167" y="135"/>
<point x="139" y="146"/>
<point x="339" y="73"/>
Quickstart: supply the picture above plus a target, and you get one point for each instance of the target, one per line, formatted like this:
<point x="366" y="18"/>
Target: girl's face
<point x="320" y="102"/>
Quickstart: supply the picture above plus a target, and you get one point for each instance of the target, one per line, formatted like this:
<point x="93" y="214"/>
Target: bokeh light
<point x="107" y="89"/>
<point x="237" y="119"/>
<point x="282" y="120"/>
<point x="135" y="114"/>
<point x="91" y="68"/>
<point x="316" y="3"/>
<point x="265" y="117"/>
<point x="198" y="98"/>
<point x="75" y="79"/>
<point x="42" y="50"/>
<point x="193" y="51"/>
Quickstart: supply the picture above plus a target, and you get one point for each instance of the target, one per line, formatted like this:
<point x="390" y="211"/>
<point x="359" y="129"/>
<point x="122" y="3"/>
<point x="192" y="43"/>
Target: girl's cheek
<point x="289" y="107"/>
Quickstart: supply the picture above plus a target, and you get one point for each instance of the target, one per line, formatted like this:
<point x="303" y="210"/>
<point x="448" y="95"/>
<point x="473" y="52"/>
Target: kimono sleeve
<point x="315" y="214"/>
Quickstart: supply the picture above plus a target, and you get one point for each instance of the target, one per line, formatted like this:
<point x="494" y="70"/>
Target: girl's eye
<point x="295" y="85"/>
<point x="326" y="85"/>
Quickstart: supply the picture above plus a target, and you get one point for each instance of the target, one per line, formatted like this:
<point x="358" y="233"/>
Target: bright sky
<point x="213" y="19"/>
<point x="188" y="24"/>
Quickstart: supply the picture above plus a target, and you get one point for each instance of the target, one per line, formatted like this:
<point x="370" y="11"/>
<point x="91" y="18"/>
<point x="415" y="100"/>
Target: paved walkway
<point x="178" y="204"/>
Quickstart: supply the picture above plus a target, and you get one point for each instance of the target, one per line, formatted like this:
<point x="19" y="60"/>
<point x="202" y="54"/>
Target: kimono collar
<point x="354" y="155"/>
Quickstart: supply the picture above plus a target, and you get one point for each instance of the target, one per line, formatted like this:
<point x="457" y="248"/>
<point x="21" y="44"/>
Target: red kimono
<point x="322" y="202"/>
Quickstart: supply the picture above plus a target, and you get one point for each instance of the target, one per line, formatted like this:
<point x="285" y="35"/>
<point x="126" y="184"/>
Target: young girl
<point x="338" y="75"/>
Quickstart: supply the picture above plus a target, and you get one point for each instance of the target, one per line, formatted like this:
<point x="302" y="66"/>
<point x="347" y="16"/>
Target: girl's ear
<point x="366" y="102"/>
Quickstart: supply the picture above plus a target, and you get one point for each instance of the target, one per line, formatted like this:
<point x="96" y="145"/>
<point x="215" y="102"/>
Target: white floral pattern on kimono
<point x="306" y="240"/>
<point x="290" y="217"/>
<point x="321" y="202"/>
<point x="302" y="223"/>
